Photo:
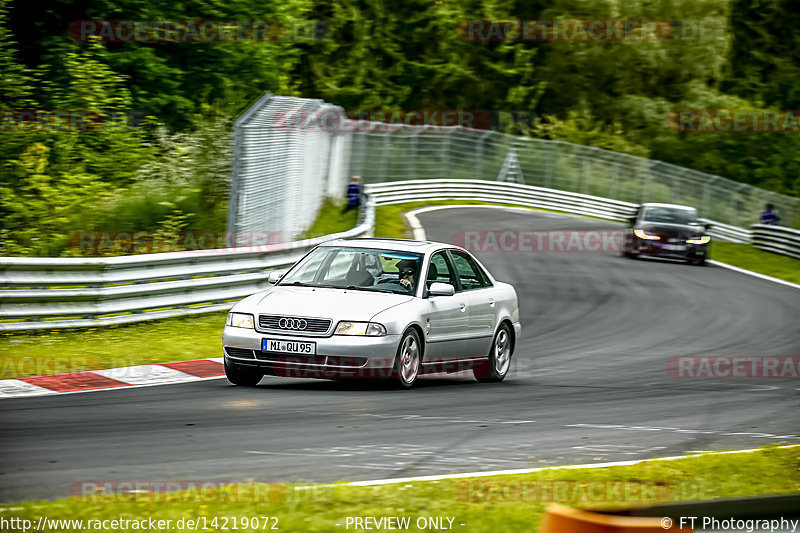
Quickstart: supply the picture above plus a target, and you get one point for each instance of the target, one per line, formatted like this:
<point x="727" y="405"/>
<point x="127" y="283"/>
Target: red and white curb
<point x="114" y="378"/>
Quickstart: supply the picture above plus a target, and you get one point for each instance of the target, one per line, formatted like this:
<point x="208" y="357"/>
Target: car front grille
<point x="353" y="362"/>
<point x="294" y="324"/>
<point x="241" y="353"/>
<point x="292" y="359"/>
<point x="319" y="360"/>
<point x="670" y="234"/>
<point x="678" y="234"/>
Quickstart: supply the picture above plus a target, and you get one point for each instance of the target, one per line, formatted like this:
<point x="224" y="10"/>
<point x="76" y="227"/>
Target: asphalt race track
<point x="588" y="383"/>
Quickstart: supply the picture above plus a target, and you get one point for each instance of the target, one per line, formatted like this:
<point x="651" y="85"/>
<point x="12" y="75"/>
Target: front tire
<point x="697" y="260"/>
<point x="408" y="360"/>
<point x="246" y="377"/>
<point x="499" y="362"/>
<point x="627" y="247"/>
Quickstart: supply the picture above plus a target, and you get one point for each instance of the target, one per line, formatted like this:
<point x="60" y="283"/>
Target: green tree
<point x="411" y="56"/>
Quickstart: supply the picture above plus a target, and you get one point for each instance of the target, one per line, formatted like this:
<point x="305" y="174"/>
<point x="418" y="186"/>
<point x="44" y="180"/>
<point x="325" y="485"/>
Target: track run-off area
<point x="589" y="383"/>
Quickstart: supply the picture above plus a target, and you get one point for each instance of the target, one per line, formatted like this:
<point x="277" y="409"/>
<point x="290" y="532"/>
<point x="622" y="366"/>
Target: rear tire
<point x="246" y="377"/>
<point x="495" y="369"/>
<point x="408" y="360"/>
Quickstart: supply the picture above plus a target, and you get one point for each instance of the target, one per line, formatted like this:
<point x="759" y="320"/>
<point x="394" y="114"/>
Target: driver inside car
<point x="406" y="270"/>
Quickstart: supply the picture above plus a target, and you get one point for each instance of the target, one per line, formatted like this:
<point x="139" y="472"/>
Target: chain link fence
<point x="282" y="172"/>
<point x="291" y="153"/>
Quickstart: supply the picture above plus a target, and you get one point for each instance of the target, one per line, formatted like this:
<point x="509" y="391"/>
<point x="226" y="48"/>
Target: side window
<point x="308" y="271"/>
<point x="439" y="271"/>
<point x="469" y="272"/>
<point x="340" y="265"/>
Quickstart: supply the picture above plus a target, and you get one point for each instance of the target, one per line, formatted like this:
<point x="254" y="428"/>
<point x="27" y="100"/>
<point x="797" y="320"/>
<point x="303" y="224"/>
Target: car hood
<point x="672" y="230"/>
<point x="337" y="304"/>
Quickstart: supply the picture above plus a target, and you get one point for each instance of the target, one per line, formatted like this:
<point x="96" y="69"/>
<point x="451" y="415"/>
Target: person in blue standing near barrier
<point x="769" y="216"/>
<point x="353" y="194"/>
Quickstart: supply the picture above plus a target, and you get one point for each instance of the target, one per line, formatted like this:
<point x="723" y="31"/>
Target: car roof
<point x="404" y="245"/>
<point x="673" y="206"/>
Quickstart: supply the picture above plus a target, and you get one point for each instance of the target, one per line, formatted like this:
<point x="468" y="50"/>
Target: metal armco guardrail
<point x="52" y="293"/>
<point x="777" y="239"/>
<point x="527" y="195"/>
<point x="500" y="192"/>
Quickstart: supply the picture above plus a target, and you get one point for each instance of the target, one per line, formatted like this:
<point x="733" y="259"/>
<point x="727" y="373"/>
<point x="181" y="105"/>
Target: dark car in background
<point x="666" y="230"/>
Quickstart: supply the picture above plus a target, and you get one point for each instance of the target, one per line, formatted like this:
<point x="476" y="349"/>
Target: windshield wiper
<point x="345" y="288"/>
<point x="389" y="291"/>
<point x="298" y="284"/>
<point x="322" y="286"/>
<point x="354" y="288"/>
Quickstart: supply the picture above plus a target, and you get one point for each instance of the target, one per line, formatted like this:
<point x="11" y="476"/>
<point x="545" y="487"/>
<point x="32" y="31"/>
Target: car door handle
<point x="491" y="302"/>
<point x="463" y="307"/>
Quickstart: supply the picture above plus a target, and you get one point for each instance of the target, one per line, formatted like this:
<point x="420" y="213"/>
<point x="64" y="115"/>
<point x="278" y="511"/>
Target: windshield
<point x="357" y="269"/>
<point x="670" y="215"/>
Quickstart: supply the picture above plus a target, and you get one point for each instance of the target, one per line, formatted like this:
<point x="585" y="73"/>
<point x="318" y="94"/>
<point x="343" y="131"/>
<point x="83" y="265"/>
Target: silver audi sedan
<point x="375" y="308"/>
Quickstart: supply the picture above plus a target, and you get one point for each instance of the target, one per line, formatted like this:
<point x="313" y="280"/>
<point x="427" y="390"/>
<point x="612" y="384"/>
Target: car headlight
<point x="699" y="240"/>
<point x="368" y="329"/>
<point x="642" y="235"/>
<point x="240" y="320"/>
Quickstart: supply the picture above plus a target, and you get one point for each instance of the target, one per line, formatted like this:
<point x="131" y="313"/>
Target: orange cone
<point x="563" y="519"/>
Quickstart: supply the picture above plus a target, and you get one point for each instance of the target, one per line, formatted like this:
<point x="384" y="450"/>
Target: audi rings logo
<point x="292" y="323"/>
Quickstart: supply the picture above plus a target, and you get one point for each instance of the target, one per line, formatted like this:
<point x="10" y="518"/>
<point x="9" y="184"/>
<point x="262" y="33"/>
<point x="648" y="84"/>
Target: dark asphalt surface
<point x="589" y="384"/>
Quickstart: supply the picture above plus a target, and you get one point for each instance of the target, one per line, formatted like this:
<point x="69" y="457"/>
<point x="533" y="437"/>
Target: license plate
<point x="675" y="247"/>
<point x="284" y="346"/>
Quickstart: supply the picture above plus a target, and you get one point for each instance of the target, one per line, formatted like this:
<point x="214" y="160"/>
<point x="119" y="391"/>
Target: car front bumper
<point x="670" y="250"/>
<point x="336" y="356"/>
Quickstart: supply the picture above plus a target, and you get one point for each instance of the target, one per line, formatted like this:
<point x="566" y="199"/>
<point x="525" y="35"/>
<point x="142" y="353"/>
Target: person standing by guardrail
<point x="769" y="216"/>
<point x="353" y="194"/>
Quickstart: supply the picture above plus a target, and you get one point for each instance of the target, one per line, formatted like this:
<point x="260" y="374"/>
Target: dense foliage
<point x="157" y="157"/>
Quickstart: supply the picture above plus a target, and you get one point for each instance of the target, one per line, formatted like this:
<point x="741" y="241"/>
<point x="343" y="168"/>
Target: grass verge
<point x="390" y="222"/>
<point x="160" y="341"/>
<point x="749" y="257"/>
<point x="331" y="219"/>
<point x="485" y="504"/>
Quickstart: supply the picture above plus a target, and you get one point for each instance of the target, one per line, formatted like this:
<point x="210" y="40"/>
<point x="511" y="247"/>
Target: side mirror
<point x="632" y="220"/>
<point x="441" y="289"/>
<point x="275" y="275"/>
